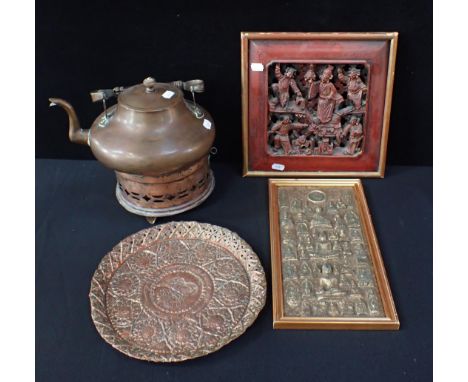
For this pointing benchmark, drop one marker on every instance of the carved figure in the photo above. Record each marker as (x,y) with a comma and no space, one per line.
(336,248)
(329,98)
(374,305)
(293,298)
(273,102)
(359,252)
(289,251)
(346,248)
(305,269)
(364,277)
(302,144)
(325,147)
(299,216)
(289,270)
(331,208)
(351,218)
(286,81)
(296,206)
(338,222)
(344,283)
(306,287)
(332,236)
(282,129)
(302,229)
(340,204)
(339,85)
(355,234)
(348,310)
(312,86)
(320,310)
(342,234)
(288,227)
(355,86)
(333,310)
(354,129)
(330,130)
(318,220)
(361,308)
(301,250)
(328,282)
(283,199)
(323,246)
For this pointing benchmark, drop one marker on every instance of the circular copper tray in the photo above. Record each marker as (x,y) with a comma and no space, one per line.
(177,291)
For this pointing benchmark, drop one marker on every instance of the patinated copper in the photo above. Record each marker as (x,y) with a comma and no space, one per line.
(177,291)
(168,194)
(157,142)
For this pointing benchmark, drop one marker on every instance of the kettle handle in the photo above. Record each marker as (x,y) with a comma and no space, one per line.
(105,94)
(193,86)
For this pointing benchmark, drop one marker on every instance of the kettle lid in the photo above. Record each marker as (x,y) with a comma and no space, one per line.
(150,96)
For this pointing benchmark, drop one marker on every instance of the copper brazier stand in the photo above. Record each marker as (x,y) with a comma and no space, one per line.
(157,142)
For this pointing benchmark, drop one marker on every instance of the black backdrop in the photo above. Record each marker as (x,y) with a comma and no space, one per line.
(84,45)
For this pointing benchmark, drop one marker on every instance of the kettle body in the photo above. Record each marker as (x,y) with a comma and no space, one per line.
(157,142)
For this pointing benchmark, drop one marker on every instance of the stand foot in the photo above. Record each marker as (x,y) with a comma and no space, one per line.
(151,219)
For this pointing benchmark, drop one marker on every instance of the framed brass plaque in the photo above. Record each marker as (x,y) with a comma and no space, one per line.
(326,264)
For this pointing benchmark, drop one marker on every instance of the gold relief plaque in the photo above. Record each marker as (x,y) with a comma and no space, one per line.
(327,269)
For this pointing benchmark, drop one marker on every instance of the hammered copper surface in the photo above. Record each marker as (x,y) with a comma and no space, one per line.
(157,143)
(326,265)
(177,291)
(167,191)
(147,132)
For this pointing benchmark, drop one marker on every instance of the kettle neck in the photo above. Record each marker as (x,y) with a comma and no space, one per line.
(75,132)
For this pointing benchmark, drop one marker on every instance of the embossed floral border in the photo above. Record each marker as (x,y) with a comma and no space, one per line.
(134,243)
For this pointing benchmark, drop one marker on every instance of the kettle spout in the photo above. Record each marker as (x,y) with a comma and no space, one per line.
(75,132)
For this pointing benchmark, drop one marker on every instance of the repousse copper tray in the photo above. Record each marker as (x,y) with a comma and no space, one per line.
(177,291)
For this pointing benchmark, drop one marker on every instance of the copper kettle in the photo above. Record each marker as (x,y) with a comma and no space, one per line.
(157,142)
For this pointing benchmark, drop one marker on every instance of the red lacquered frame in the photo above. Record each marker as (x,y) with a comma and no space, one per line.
(376,50)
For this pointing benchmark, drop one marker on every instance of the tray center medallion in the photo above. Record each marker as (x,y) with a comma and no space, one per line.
(178,289)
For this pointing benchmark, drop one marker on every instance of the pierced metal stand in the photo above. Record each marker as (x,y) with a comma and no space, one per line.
(151,214)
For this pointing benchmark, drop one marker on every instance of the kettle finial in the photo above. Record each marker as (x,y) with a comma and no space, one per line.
(149,83)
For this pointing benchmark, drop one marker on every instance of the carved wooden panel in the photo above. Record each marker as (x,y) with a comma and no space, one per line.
(316,109)
(316,103)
